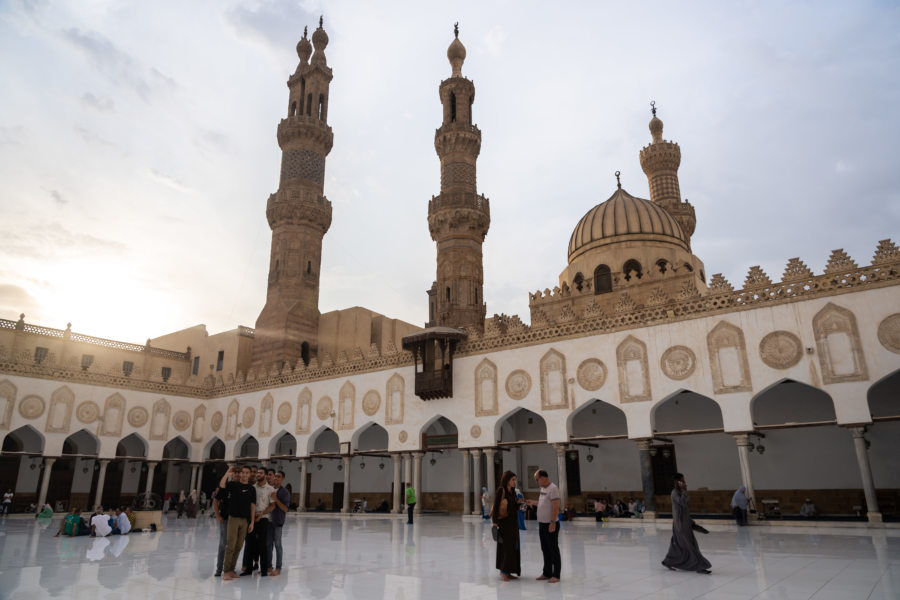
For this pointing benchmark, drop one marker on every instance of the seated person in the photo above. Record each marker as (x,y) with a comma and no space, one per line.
(46,512)
(131,516)
(72,525)
(382,507)
(320,506)
(808,509)
(100,525)
(122,525)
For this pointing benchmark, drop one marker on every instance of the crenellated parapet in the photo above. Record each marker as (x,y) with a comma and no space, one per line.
(299,207)
(311,130)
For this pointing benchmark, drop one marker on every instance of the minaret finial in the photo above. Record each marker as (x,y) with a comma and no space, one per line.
(653,107)
(321,17)
(304,31)
(618,181)
(456,30)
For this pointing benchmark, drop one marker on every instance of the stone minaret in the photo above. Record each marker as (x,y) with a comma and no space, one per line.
(660,161)
(458,218)
(288,326)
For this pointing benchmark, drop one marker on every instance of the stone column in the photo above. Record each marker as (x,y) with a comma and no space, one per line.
(417,480)
(151,467)
(193,477)
(489,454)
(476,481)
(467,483)
(743,445)
(45,482)
(647,478)
(301,504)
(104,462)
(396,504)
(865,469)
(561,468)
(200,479)
(346,507)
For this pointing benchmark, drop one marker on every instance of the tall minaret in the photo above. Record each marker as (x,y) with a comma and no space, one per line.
(458,218)
(660,161)
(288,326)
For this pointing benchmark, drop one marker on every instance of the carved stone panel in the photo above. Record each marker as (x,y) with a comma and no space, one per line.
(266,409)
(678,362)
(346,406)
(781,349)
(591,374)
(634,370)
(475,431)
(216,422)
(249,417)
(284,413)
(199,424)
(113,415)
(60,414)
(304,410)
(32,407)
(518,384)
(728,359)
(7,400)
(554,384)
(181,420)
(138,417)
(231,420)
(838,345)
(371,403)
(486,402)
(395,393)
(87,412)
(889,333)
(159,420)
(324,408)
(403,436)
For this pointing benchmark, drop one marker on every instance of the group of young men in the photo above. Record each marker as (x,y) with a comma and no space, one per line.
(250,505)
(118,521)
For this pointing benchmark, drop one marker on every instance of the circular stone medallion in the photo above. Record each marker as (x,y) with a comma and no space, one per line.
(32,407)
(371,402)
(591,374)
(889,333)
(475,431)
(181,420)
(216,421)
(284,412)
(137,416)
(324,407)
(781,350)
(249,417)
(403,436)
(87,412)
(678,362)
(518,384)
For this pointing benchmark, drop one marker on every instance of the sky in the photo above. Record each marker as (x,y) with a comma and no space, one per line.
(138,146)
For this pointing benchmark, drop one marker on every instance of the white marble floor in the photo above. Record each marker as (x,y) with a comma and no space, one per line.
(445,558)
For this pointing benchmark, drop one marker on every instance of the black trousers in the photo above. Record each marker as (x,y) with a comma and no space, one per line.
(256,547)
(409,512)
(550,550)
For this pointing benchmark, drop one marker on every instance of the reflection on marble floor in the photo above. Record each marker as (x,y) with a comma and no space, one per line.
(446,558)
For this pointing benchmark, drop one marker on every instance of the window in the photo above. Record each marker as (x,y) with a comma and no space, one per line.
(662,265)
(166,373)
(86,361)
(602,280)
(452,107)
(321,111)
(632,268)
(40,354)
(448,293)
(220,360)
(304,353)
(308,105)
(308,267)
(689,268)
(578,281)
(127,368)
(196,368)
(293,112)
(302,93)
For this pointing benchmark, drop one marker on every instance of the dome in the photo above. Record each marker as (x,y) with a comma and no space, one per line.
(625,218)
(304,48)
(456,54)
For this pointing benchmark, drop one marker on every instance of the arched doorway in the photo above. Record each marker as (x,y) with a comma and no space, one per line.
(442,466)
(247,448)
(173,474)
(883,438)
(326,469)
(21,465)
(74,476)
(522,439)
(214,465)
(126,476)
(371,467)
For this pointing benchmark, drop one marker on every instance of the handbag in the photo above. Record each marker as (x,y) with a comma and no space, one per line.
(495,533)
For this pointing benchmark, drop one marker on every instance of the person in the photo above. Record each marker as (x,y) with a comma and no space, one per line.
(633,508)
(598,509)
(220,510)
(281,498)
(72,525)
(485,503)
(100,525)
(503,517)
(548,526)
(739,503)
(410,503)
(382,507)
(180,506)
(167,503)
(46,512)
(808,509)
(522,508)
(203,500)
(684,552)
(123,525)
(132,518)
(241,515)
(365,505)
(320,505)
(256,548)
(192,505)
(7,502)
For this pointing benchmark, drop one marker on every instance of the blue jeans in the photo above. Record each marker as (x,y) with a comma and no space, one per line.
(223,534)
(273,538)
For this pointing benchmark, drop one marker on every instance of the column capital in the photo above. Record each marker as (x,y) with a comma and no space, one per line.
(476,452)
(742,439)
(465,451)
(418,454)
(304,460)
(104,461)
(560,449)
(152,463)
(857,431)
(49,460)
(346,459)
(644,444)
(490,451)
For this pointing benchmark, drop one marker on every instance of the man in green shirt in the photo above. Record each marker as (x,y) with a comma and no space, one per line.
(410,503)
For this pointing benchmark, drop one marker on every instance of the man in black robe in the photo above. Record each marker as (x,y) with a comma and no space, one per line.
(684,553)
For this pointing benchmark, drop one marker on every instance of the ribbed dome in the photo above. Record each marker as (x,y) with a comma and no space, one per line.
(625,218)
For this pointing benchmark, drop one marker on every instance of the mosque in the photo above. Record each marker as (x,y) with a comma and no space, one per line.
(635,364)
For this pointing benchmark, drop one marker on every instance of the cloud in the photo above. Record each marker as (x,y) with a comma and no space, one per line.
(104,105)
(12,136)
(273,24)
(169,181)
(57,197)
(15,298)
(494,39)
(46,241)
(89,137)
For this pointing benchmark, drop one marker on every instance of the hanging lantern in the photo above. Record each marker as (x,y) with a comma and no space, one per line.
(381,466)
(653,451)
(667,453)
(362,465)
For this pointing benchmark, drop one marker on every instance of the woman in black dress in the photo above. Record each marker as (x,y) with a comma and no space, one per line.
(504,517)
(684,553)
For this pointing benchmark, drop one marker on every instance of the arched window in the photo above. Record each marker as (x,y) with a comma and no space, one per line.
(452,107)
(702,275)
(321,112)
(662,265)
(302,93)
(578,281)
(602,280)
(632,268)
(471,101)
(308,105)
(293,112)
(304,353)
(689,268)
(308,267)
(448,293)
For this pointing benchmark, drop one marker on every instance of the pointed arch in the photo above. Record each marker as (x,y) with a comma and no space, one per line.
(395,393)
(323,439)
(486,400)
(7,400)
(304,410)
(24,439)
(113,415)
(214,449)
(346,406)
(283,444)
(231,420)
(789,401)
(596,418)
(266,408)
(133,445)
(728,359)
(370,436)
(884,396)
(82,442)
(246,447)
(686,410)
(520,425)
(439,432)
(838,345)
(60,414)
(177,447)
(554,386)
(198,426)
(634,370)
(159,420)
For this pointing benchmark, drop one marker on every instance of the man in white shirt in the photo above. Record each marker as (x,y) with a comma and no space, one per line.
(255,546)
(123,525)
(548,526)
(100,525)
(7,501)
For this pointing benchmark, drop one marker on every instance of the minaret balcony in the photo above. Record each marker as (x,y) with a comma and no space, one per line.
(459,200)
(306,209)
(305,127)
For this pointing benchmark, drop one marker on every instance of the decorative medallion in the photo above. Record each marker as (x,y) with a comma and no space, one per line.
(371,402)
(137,416)
(32,407)
(781,350)
(216,421)
(284,412)
(181,420)
(87,412)
(324,408)
(249,417)
(403,436)
(475,431)
(678,362)
(518,384)
(591,374)
(889,333)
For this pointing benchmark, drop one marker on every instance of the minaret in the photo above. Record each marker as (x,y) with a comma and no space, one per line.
(288,326)
(660,161)
(458,218)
